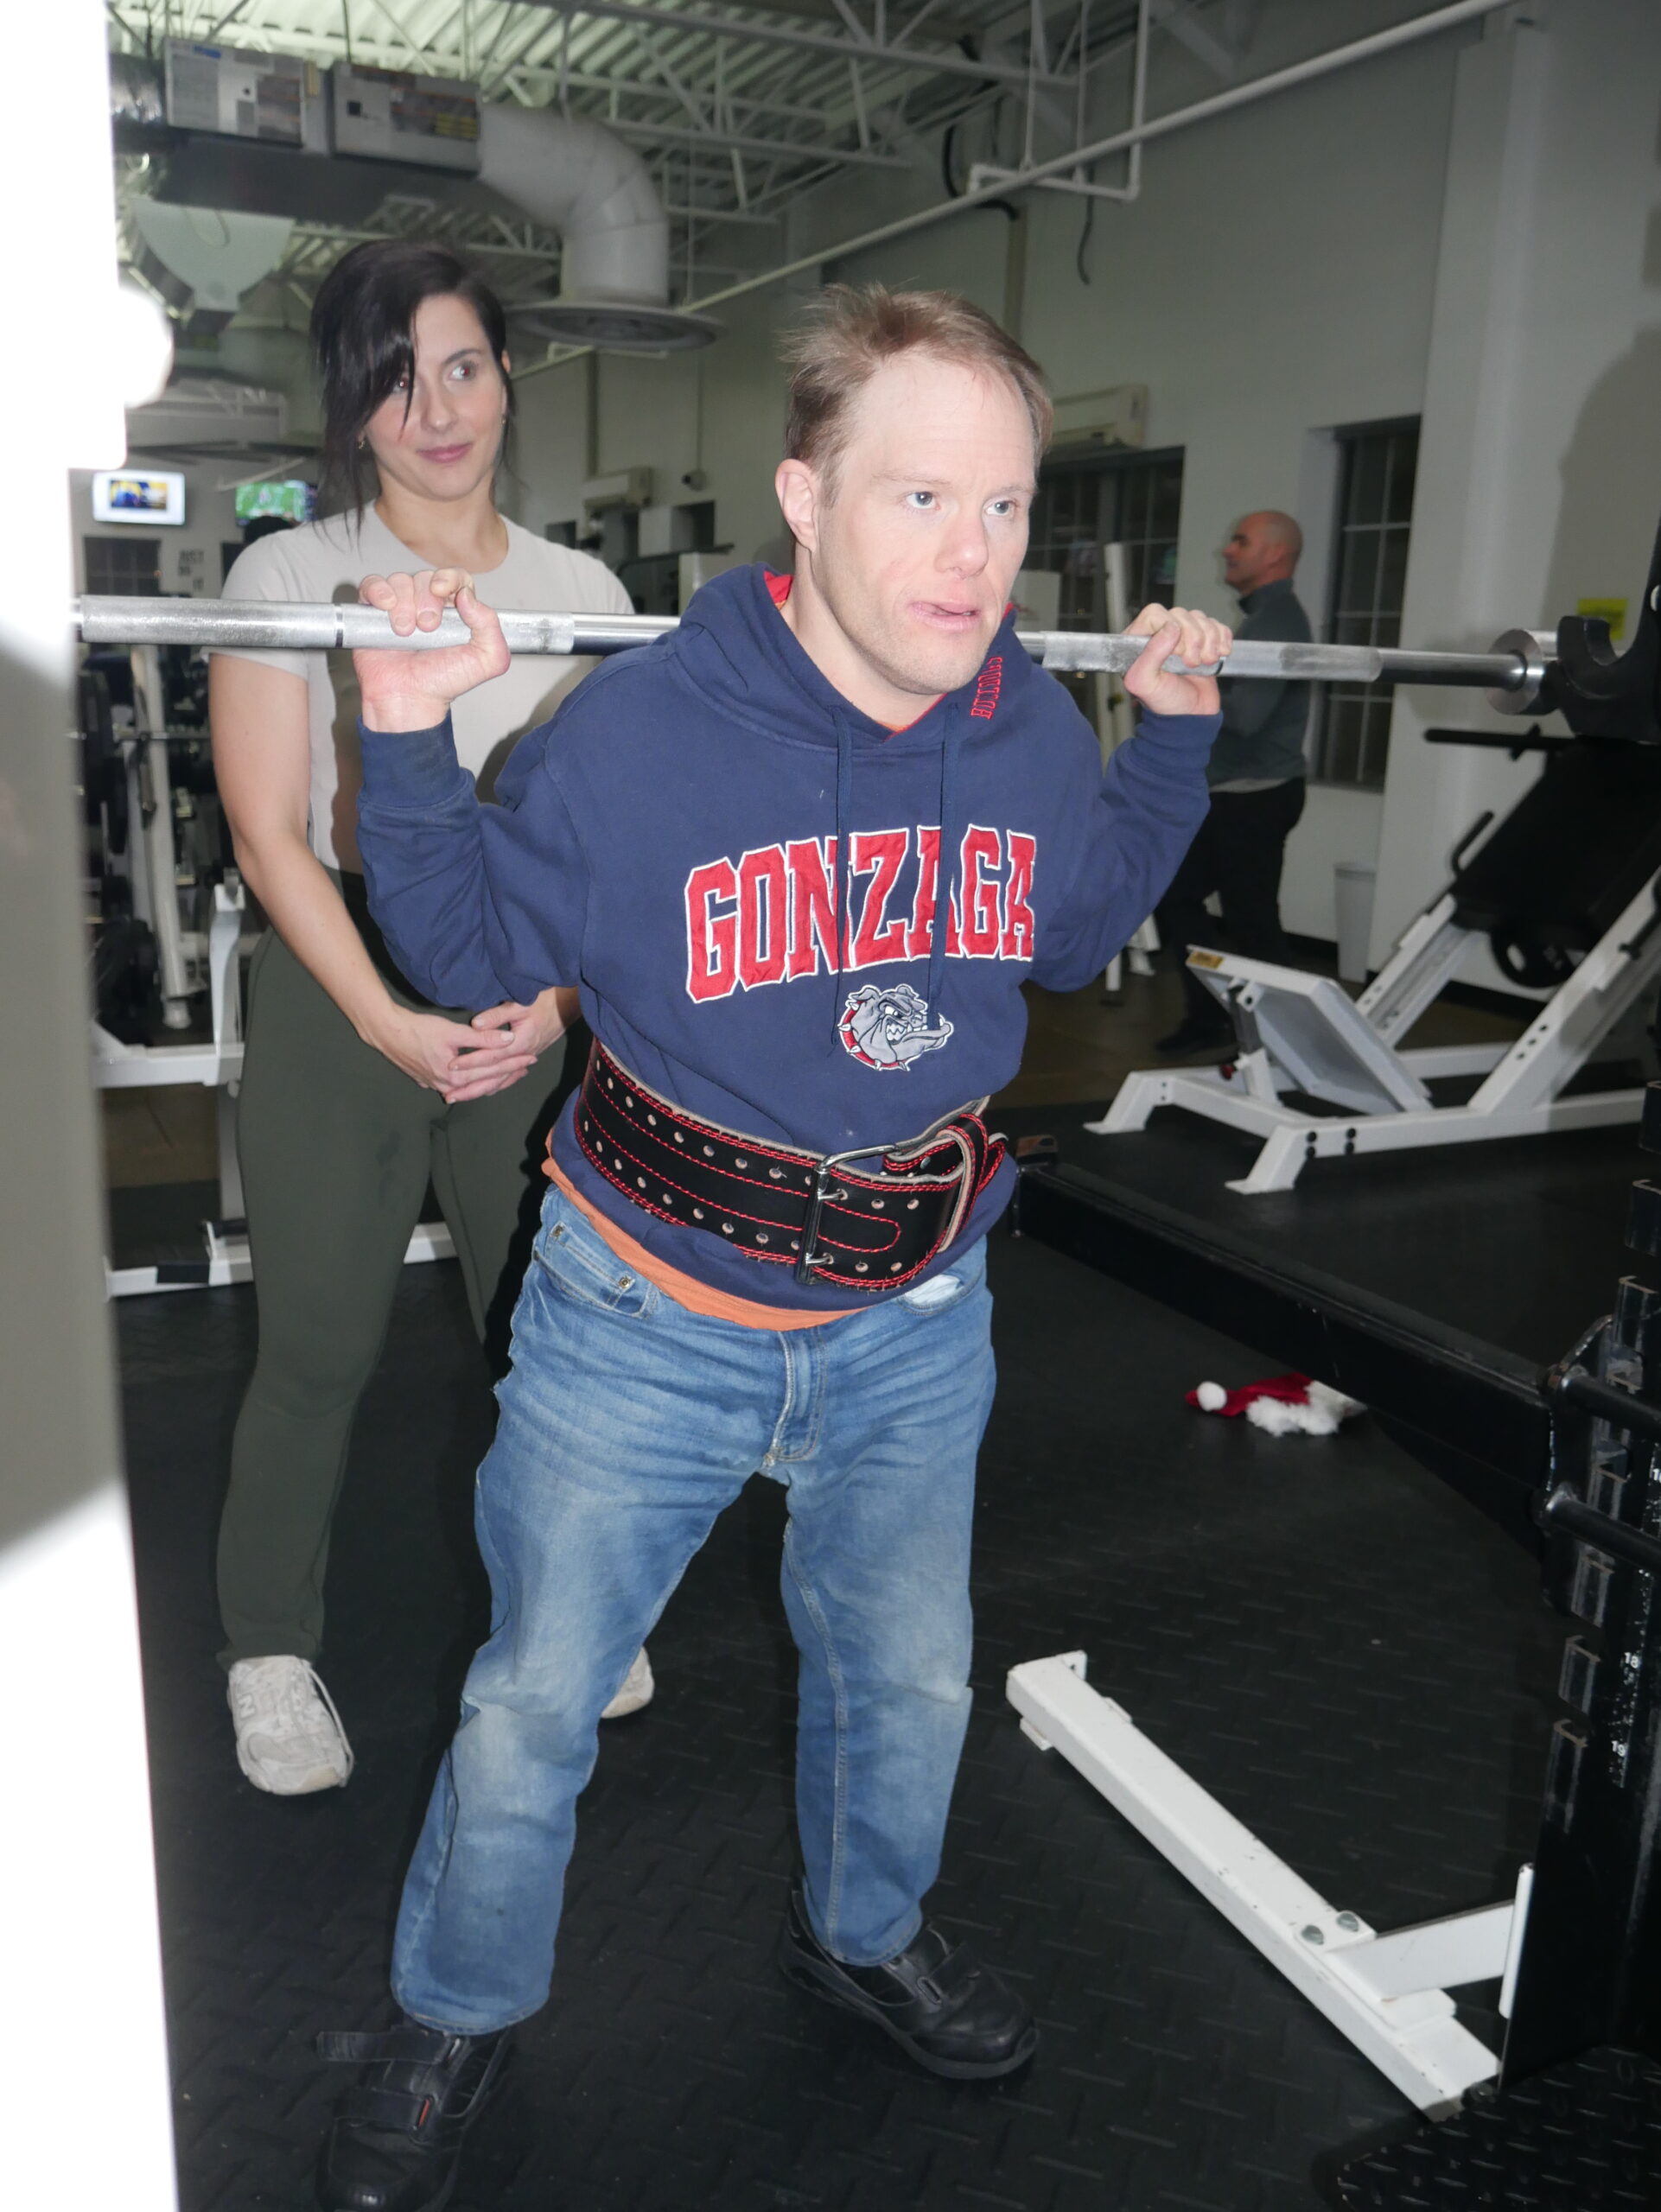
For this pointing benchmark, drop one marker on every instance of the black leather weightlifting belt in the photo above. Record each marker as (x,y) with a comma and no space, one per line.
(865,1220)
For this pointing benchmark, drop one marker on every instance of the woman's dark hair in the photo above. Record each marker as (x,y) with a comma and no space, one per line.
(361,324)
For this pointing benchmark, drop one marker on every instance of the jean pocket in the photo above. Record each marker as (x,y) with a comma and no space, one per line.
(580,1263)
(947,1287)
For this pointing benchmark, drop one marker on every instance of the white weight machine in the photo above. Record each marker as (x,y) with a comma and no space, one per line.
(1564,890)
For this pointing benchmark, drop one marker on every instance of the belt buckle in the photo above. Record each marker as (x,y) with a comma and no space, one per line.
(825,1174)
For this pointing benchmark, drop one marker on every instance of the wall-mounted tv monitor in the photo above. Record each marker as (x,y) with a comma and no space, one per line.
(142,495)
(295,501)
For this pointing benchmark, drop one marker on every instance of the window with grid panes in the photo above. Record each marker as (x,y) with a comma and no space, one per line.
(123,567)
(1086,500)
(1377,462)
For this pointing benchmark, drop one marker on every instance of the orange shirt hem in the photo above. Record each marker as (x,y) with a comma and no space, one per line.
(695,1297)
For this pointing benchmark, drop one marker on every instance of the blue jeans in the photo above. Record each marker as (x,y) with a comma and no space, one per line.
(627,1424)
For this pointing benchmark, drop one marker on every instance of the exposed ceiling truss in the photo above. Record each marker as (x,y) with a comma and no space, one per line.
(738,109)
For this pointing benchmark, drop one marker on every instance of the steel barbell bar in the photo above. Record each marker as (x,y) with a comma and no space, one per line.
(1512,672)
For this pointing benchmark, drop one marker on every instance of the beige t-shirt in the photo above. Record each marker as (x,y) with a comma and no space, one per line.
(327,560)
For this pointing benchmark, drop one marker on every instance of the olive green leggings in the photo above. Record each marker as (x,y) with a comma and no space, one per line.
(337,1146)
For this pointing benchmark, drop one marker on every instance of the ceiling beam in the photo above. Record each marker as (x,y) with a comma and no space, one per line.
(718,141)
(925,61)
(1178,18)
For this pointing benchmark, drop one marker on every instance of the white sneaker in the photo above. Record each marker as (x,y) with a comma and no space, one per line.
(290,1739)
(637,1686)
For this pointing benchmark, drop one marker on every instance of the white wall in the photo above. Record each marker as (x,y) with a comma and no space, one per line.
(1540,471)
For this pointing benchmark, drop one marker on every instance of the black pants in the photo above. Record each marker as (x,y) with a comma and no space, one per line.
(1237,854)
(337,1145)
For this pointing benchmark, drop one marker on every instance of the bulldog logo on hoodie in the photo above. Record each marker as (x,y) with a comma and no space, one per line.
(888,1028)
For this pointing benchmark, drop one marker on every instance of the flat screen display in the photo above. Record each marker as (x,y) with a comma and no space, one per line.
(141,495)
(294,500)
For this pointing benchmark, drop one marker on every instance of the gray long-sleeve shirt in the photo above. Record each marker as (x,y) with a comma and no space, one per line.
(1264,721)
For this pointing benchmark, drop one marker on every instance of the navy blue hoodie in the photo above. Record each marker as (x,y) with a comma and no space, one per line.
(679,838)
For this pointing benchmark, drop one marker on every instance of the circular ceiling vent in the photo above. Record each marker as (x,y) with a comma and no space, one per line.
(615,326)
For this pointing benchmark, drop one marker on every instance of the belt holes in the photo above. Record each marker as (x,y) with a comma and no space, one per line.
(795,1243)
(667,1200)
(739,1161)
(610,1086)
(877,1205)
(679,1139)
(776,1175)
(628,1101)
(697,1213)
(911,1205)
(709,1152)
(726,1228)
(761,1236)
(640,1181)
(894,1267)
(861,1268)
(651,1120)
(615,1161)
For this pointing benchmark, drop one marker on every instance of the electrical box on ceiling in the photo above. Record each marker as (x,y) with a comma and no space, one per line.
(388,115)
(276,98)
(629,487)
(1115,417)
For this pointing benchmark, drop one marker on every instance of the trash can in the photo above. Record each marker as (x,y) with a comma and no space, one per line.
(1352,889)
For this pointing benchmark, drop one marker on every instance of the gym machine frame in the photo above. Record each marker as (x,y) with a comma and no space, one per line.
(1303,1033)
(1516,673)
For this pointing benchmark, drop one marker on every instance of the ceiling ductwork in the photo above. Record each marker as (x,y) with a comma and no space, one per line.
(324,151)
(595,191)
(203,260)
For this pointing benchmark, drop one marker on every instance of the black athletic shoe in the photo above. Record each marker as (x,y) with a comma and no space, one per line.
(396,2141)
(1192,1037)
(953,2016)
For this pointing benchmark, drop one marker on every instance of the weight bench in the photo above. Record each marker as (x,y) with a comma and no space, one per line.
(1564,891)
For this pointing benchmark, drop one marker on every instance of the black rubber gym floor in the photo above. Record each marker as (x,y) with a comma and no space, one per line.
(1349,1657)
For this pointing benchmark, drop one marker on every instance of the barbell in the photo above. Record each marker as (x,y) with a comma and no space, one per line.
(1512,672)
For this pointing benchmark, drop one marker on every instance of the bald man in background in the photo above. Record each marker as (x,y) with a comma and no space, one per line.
(1255,776)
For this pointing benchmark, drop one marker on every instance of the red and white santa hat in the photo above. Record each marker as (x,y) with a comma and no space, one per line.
(1285,1405)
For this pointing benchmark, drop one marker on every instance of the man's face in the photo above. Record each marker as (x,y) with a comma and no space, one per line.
(916,549)
(1246,554)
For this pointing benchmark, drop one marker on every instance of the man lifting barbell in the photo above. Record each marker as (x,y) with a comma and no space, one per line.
(799,857)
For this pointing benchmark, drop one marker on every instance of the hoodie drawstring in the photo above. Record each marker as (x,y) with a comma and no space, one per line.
(947,860)
(845,815)
(945,874)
